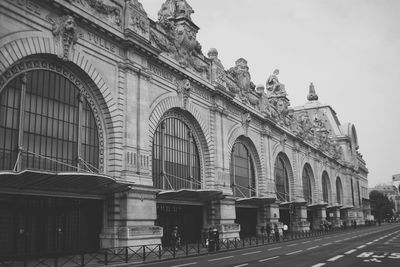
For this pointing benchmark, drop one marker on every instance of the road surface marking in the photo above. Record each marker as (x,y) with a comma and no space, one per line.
(318,239)
(337,241)
(347,238)
(268,259)
(312,247)
(253,252)
(294,252)
(350,251)
(241,265)
(291,245)
(186,264)
(305,242)
(318,265)
(217,259)
(327,244)
(362,246)
(274,248)
(335,258)
(369,243)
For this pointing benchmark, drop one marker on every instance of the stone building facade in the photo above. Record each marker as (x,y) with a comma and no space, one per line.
(115,128)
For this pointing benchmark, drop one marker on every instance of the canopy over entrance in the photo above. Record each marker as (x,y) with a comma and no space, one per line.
(190,194)
(256,200)
(76,183)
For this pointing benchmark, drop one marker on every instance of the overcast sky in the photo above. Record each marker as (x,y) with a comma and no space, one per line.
(349,49)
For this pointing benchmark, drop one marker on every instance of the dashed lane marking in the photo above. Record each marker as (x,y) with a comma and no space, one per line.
(241,265)
(294,252)
(305,242)
(318,265)
(185,264)
(267,259)
(369,243)
(291,245)
(350,251)
(362,246)
(313,248)
(217,259)
(337,241)
(274,248)
(327,244)
(335,258)
(253,252)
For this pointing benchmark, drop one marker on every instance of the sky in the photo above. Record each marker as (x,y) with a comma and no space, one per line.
(349,49)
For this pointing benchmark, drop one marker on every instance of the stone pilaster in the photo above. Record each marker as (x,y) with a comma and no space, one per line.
(334,216)
(222,214)
(131,219)
(319,216)
(299,217)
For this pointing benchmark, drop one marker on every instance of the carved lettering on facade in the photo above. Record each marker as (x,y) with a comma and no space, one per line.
(201,93)
(98,41)
(30,6)
(161,72)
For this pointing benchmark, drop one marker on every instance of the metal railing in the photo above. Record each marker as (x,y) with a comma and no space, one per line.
(148,253)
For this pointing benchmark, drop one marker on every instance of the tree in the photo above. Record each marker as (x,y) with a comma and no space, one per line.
(381,206)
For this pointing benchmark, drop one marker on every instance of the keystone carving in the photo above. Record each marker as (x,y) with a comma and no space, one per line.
(65,34)
(183,89)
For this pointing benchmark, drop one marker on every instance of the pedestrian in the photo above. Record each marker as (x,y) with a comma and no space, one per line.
(285,229)
(269,229)
(213,240)
(175,239)
(276,231)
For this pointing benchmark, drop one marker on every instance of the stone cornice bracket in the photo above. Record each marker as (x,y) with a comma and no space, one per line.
(246,119)
(183,88)
(65,34)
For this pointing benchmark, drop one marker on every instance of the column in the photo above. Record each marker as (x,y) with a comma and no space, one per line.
(299,217)
(221,214)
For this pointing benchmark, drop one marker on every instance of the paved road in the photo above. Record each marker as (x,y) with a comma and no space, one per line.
(371,246)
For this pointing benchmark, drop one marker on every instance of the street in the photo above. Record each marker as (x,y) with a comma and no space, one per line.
(369,246)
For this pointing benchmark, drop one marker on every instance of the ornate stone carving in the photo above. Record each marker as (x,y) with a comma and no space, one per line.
(246,119)
(65,34)
(111,11)
(176,35)
(183,89)
(136,18)
(273,86)
(312,95)
(263,103)
(241,75)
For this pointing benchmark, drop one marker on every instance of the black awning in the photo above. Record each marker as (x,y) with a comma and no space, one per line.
(315,205)
(347,207)
(190,194)
(80,183)
(256,200)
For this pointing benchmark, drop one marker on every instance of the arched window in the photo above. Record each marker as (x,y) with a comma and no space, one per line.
(176,161)
(46,124)
(242,172)
(307,188)
(281,179)
(325,187)
(339,191)
(359,193)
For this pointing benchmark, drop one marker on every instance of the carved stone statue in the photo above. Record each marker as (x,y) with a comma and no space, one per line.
(312,95)
(241,75)
(175,9)
(274,87)
(263,103)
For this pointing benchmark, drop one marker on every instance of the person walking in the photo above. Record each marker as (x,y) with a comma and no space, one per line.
(175,239)
(276,231)
(285,229)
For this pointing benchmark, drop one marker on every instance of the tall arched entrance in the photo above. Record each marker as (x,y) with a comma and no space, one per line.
(308,185)
(243,183)
(51,156)
(283,174)
(177,173)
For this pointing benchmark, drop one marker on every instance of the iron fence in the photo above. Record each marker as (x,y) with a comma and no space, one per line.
(148,253)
